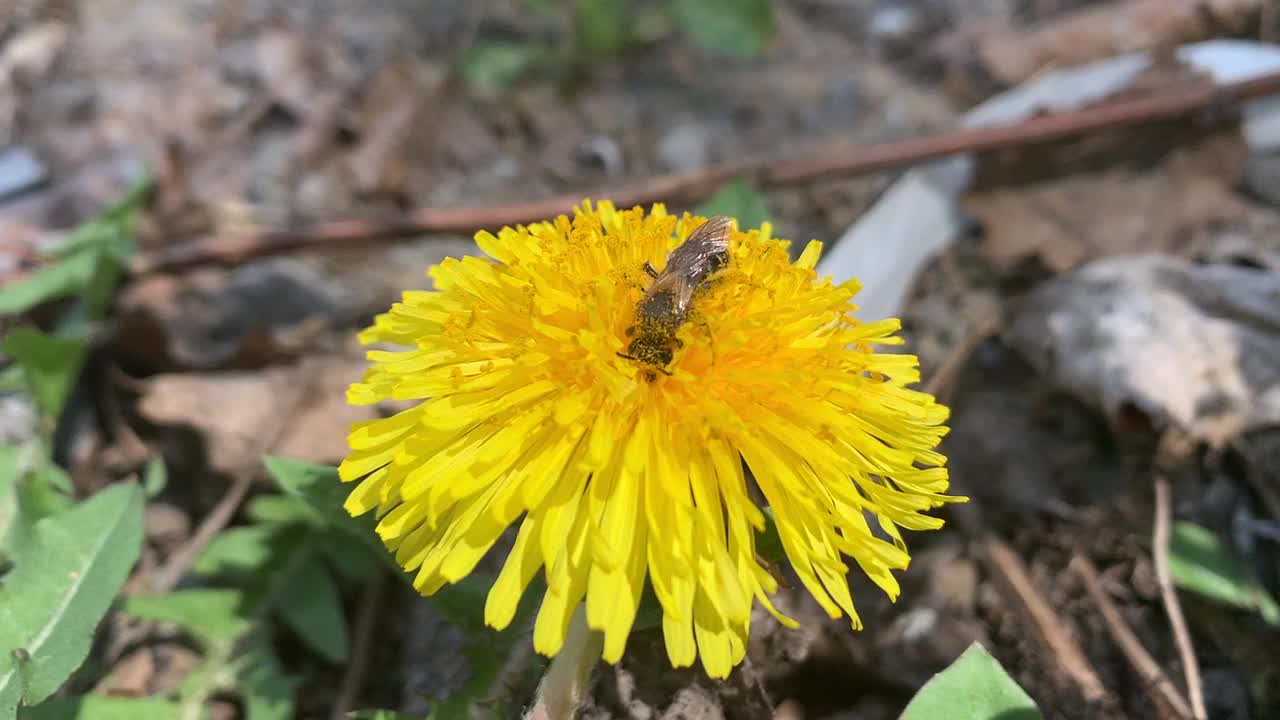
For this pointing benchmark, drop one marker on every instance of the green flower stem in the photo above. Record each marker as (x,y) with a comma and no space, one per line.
(568,678)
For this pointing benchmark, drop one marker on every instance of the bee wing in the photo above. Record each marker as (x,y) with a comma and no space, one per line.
(680,287)
(703,251)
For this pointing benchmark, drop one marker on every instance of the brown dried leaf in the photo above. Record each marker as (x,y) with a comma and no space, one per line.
(395,110)
(1107,30)
(300,412)
(131,677)
(25,61)
(214,318)
(1069,220)
(302,74)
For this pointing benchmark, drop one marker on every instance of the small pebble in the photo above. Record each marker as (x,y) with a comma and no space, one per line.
(684,147)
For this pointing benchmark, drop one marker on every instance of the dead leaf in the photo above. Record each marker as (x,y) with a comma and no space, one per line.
(25,61)
(1192,346)
(131,676)
(394,111)
(213,318)
(1108,30)
(303,75)
(1066,221)
(299,412)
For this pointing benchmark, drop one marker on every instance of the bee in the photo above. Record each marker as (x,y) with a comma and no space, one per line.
(666,302)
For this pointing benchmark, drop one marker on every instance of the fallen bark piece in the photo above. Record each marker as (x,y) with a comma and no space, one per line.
(1193,346)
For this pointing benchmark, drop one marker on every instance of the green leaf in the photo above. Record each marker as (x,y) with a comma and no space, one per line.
(50,364)
(100,707)
(282,511)
(267,690)
(239,550)
(90,262)
(768,542)
(155,478)
(320,488)
(44,490)
(12,380)
(31,488)
(601,26)
(491,68)
(60,587)
(1203,564)
(461,603)
(485,648)
(650,24)
(353,561)
(974,686)
(314,611)
(16,526)
(650,613)
(484,662)
(737,199)
(380,715)
(739,28)
(112,229)
(213,616)
(60,279)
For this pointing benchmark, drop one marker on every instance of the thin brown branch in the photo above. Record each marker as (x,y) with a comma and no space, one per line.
(1169,596)
(361,645)
(1153,678)
(167,577)
(827,162)
(1015,581)
(945,376)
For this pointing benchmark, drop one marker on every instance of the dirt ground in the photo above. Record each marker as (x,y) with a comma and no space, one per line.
(255,114)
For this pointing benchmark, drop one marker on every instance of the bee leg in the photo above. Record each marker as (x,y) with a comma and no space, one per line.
(711,341)
(648,269)
(625,356)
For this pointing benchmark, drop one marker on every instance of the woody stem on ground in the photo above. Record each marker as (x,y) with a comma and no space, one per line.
(842,160)
(568,678)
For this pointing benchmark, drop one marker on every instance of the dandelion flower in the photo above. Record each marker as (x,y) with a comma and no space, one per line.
(532,412)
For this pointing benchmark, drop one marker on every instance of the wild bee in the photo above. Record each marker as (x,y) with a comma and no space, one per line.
(666,302)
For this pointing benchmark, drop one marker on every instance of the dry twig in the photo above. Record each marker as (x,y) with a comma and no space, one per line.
(829,162)
(1169,596)
(1153,678)
(1017,583)
(944,377)
(361,645)
(167,577)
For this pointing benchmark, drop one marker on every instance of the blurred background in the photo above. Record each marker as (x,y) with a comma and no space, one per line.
(201,201)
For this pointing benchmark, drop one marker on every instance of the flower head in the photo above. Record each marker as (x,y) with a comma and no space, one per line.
(620,471)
